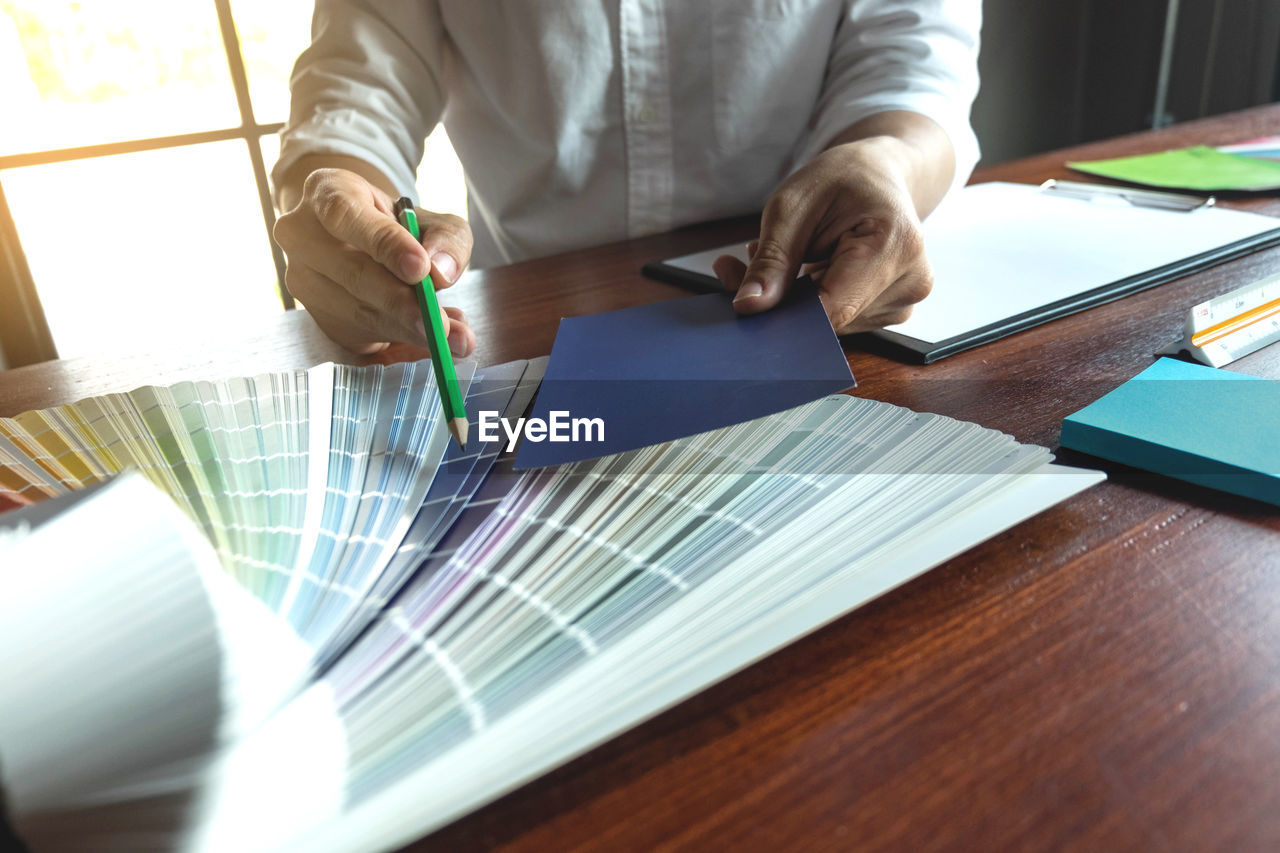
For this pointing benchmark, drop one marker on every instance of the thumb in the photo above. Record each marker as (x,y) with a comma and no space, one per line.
(345,206)
(776,260)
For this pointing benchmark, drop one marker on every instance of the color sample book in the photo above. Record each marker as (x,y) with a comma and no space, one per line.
(303,609)
(306,483)
(1199,168)
(672,369)
(1211,427)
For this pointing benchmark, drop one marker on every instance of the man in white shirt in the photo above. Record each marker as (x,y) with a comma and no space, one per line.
(579,123)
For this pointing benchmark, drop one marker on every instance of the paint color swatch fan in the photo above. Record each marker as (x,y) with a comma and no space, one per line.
(285,612)
(1231,326)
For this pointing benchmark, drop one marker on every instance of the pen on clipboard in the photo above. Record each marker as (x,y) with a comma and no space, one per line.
(1139,198)
(455,414)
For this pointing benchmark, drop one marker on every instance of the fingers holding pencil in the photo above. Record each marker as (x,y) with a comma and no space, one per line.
(355,267)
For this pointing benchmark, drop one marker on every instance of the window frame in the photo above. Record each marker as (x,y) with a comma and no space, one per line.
(24,333)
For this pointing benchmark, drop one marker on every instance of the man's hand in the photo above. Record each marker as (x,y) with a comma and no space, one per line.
(354,266)
(850,219)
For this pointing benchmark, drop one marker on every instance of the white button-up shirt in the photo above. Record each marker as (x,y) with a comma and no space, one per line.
(579,122)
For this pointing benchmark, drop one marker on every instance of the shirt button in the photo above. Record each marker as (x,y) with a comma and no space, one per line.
(646,114)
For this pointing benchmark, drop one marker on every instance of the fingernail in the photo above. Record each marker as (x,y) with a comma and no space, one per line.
(750,290)
(445,265)
(456,340)
(411,267)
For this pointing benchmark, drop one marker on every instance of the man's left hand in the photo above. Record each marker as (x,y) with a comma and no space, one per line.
(847,219)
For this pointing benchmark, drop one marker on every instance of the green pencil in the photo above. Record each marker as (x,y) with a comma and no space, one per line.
(455,414)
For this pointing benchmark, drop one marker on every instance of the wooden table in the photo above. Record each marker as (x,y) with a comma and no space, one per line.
(1104,675)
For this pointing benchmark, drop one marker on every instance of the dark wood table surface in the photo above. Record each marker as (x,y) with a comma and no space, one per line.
(1105,675)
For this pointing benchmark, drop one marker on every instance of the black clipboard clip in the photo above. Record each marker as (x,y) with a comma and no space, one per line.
(1138,198)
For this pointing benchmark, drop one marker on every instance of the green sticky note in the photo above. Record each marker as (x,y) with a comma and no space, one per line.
(1200,168)
(1212,427)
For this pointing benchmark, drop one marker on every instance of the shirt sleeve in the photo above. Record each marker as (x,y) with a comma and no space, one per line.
(369,86)
(915,55)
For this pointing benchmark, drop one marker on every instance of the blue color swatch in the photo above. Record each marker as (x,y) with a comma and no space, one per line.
(672,369)
(1212,427)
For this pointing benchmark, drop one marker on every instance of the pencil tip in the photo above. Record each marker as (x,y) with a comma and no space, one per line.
(458,429)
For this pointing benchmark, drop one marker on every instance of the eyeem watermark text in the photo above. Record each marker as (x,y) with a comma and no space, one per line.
(558,427)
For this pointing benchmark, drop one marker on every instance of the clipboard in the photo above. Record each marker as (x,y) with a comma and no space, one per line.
(1008,257)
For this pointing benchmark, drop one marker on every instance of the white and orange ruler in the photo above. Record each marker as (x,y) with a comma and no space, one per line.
(1233,325)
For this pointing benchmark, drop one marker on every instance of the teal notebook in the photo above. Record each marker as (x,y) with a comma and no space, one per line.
(1212,427)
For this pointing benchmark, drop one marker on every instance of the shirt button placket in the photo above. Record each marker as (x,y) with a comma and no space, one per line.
(646,92)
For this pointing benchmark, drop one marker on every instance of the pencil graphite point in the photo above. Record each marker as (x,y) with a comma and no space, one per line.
(458,429)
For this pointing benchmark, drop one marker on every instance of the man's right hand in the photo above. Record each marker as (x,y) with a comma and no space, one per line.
(354,266)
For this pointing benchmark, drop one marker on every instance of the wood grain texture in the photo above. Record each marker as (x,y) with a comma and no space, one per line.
(1104,675)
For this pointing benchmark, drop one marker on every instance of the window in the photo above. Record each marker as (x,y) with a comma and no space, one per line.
(137,139)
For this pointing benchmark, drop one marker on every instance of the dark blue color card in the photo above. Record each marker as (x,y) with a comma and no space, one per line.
(673,369)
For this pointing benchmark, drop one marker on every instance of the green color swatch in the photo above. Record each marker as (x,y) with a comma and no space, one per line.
(1199,168)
